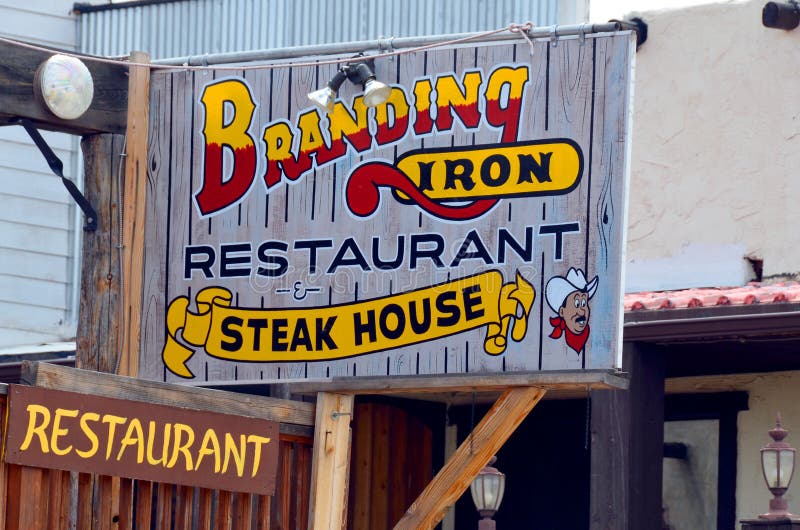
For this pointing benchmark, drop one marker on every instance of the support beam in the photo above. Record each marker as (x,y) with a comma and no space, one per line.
(330,468)
(106,114)
(134,207)
(97,344)
(458,473)
(627,445)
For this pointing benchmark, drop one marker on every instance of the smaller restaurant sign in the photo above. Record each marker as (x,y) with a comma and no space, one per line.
(75,432)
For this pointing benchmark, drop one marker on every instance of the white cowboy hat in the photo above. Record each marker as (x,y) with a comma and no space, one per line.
(559,288)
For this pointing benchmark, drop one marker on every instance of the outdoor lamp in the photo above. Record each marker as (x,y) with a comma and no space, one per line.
(65,86)
(777,464)
(375,92)
(325,97)
(487,493)
(359,73)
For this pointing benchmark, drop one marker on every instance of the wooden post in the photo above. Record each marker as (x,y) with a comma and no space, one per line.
(97,344)
(330,467)
(134,206)
(628,446)
(458,473)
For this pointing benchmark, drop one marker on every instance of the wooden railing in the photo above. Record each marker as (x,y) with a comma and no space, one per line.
(35,498)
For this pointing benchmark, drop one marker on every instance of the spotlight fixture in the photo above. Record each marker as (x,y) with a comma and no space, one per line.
(359,73)
(64,84)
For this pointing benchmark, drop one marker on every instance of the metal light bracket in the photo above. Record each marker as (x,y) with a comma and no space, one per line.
(58,168)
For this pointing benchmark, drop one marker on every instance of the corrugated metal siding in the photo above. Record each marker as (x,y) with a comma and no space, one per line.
(37,217)
(175,29)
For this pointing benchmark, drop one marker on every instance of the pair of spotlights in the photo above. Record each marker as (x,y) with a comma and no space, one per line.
(359,73)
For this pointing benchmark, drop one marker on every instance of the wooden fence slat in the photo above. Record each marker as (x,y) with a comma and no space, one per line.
(103,504)
(398,462)
(144,504)
(13,507)
(242,515)
(223,519)
(4,468)
(362,481)
(32,499)
(164,506)
(125,504)
(263,521)
(59,497)
(379,495)
(204,509)
(85,495)
(183,507)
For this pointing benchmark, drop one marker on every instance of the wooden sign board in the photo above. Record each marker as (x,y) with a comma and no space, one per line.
(75,432)
(473,223)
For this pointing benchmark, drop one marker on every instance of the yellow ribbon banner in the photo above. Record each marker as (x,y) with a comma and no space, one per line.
(340,331)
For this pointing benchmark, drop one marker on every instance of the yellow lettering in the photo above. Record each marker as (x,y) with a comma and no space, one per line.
(112,422)
(134,426)
(278,139)
(58,432)
(151,430)
(238,453)
(257,442)
(38,430)
(92,437)
(181,446)
(210,437)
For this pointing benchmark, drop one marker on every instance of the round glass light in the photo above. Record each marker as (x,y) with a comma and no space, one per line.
(66,86)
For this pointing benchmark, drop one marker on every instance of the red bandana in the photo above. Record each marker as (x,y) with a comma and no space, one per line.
(576,342)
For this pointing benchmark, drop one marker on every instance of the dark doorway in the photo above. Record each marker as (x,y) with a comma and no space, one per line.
(546,463)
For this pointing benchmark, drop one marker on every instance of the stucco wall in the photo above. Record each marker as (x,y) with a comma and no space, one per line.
(716,149)
(769,394)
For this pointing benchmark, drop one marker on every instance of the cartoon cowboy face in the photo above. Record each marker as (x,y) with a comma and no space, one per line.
(575,311)
(569,296)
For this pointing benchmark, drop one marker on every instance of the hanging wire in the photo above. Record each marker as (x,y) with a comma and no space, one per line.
(121,329)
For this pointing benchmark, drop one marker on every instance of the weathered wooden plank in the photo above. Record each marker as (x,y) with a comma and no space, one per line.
(359,513)
(12,508)
(379,495)
(222,521)
(106,114)
(466,382)
(102,505)
(164,505)
(125,504)
(302,481)
(330,465)
(134,209)
(107,385)
(4,468)
(184,496)
(263,521)
(97,340)
(204,497)
(59,497)
(32,499)
(85,494)
(144,503)
(398,462)
(457,474)
(242,515)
